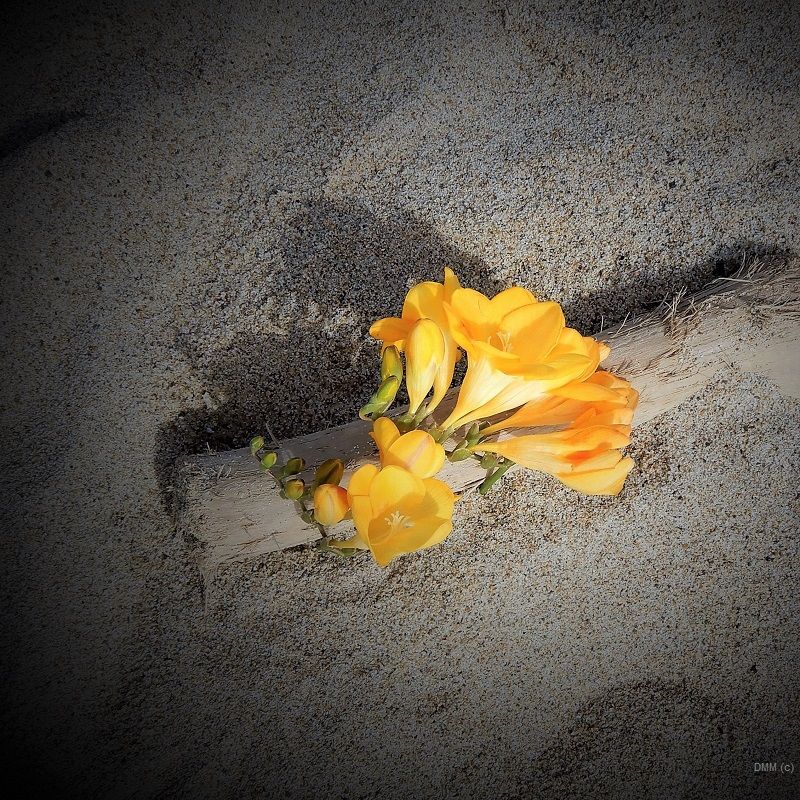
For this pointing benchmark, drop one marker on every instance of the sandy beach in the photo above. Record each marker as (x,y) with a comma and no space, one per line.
(203,210)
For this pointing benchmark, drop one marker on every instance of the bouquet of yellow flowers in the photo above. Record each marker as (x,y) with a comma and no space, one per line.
(532,395)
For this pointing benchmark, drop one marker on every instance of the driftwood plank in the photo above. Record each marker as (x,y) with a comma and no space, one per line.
(234,513)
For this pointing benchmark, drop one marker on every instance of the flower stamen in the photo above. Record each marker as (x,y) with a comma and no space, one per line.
(396,521)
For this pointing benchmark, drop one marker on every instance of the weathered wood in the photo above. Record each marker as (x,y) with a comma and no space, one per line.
(233,510)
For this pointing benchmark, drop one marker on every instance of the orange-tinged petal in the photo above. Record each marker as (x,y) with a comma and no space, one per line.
(394,486)
(331,504)
(385,434)
(416,451)
(591,460)
(390,330)
(590,392)
(599,482)
(425,351)
(587,438)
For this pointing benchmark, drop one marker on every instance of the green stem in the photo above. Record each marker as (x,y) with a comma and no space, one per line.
(492,477)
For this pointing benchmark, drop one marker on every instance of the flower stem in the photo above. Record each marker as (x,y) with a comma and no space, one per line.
(493,476)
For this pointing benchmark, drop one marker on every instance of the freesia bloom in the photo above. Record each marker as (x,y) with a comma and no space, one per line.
(397,512)
(518,349)
(585,455)
(425,301)
(331,504)
(400,507)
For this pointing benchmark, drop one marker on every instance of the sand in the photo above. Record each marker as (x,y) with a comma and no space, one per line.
(203,211)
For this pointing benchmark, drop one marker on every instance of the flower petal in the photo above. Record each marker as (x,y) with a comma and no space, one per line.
(385,434)
(424,301)
(418,452)
(481,383)
(444,376)
(360,481)
(394,486)
(439,499)
(390,330)
(599,482)
(509,300)
(425,532)
(425,350)
(534,330)
(451,283)
(361,509)
(473,310)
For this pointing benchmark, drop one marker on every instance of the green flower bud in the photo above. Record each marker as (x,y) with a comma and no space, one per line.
(294,489)
(391,363)
(474,433)
(329,471)
(382,399)
(268,461)
(489,461)
(460,455)
(256,443)
(293,466)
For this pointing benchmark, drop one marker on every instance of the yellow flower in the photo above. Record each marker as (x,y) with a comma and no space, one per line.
(425,301)
(400,507)
(331,504)
(585,454)
(397,512)
(518,348)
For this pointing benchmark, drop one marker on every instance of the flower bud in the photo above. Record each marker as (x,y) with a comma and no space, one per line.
(329,471)
(425,353)
(459,455)
(268,461)
(382,399)
(489,461)
(256,443)
(391,363)
(293,466)
(294,489)
(474,433)
(330,504)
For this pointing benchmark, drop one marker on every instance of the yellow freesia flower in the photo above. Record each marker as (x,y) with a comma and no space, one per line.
(397,512)
(400,507)
(585,455)
(425,301)
(331,504)
(518,348)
